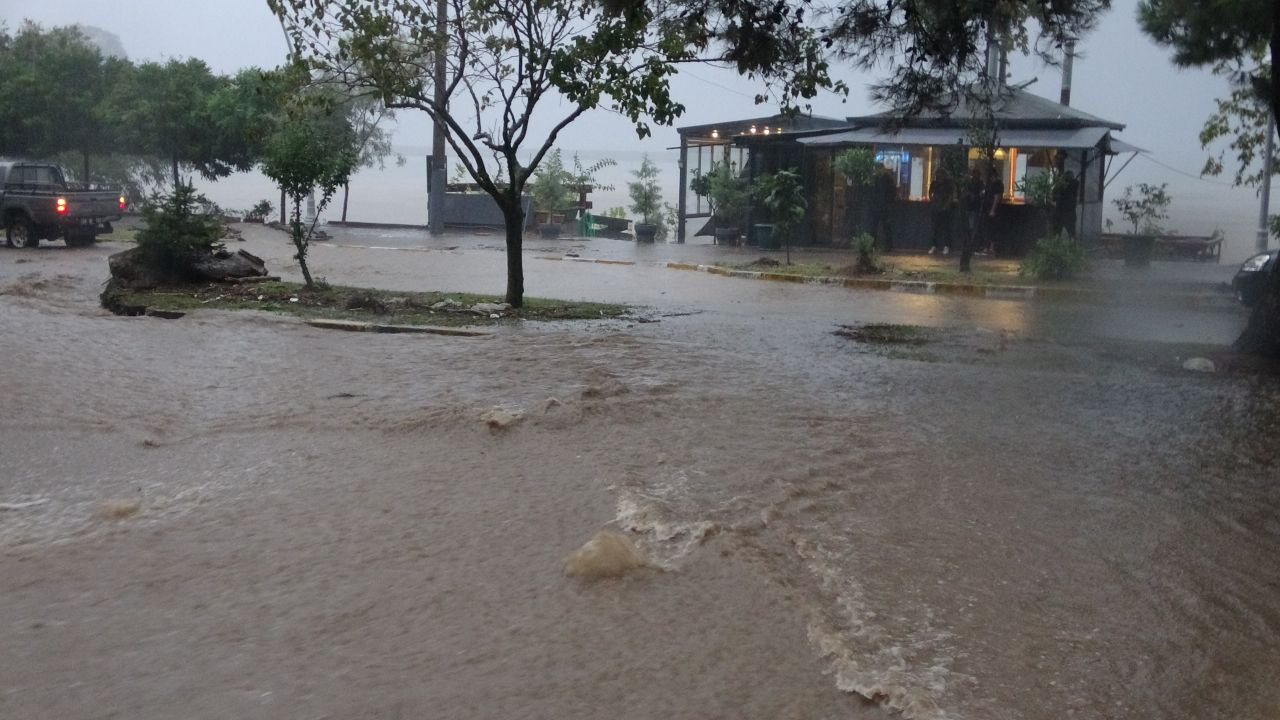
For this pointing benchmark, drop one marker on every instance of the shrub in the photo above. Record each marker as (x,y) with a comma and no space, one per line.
(1056,257)
(858,165)
(177,227)
(1145,209)
(868,254)
(259,212)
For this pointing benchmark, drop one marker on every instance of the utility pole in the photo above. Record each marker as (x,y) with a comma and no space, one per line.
(1068,59)
(1264,216)
(436,198)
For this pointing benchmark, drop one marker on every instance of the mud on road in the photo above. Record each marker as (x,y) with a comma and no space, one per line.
(1004,521)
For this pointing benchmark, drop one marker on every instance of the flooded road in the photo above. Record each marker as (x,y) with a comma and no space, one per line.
(1034,512)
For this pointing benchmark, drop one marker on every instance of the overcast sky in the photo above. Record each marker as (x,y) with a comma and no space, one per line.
(1121,75)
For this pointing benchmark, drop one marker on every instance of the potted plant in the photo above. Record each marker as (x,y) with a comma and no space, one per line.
(552,193)
(728,195)
(782,194)
(1144,210)
(646,200)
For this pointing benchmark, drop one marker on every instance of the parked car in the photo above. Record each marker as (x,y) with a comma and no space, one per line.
(37,204)
(1251,276)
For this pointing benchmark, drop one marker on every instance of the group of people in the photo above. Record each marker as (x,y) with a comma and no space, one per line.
(979,197)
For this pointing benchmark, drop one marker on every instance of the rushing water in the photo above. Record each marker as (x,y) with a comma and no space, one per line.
(1017,519)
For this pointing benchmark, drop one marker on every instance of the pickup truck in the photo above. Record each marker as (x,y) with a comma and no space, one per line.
(37,204)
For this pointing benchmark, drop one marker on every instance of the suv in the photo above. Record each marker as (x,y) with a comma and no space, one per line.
(37,204)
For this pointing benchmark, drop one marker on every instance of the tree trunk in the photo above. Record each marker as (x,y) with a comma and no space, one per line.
(284,205)
(298,236)
(346,192)
(513,214)
(175,171)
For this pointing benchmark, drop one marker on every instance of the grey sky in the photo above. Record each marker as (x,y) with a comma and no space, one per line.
(1121,76)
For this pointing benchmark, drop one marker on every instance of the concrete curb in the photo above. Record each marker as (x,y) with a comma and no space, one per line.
(356,326)
(996,292)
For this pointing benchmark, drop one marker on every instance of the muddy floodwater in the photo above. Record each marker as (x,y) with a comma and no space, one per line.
(1022,510)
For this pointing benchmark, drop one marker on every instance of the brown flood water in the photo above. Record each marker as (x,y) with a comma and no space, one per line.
(326,528)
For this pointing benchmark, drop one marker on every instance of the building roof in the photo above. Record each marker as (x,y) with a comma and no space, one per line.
(1075,138)
(788,123)
(1014,108)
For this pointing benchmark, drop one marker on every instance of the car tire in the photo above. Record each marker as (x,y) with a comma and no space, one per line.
(21,233)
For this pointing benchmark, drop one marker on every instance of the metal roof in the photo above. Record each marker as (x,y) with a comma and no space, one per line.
(1011,108)
(729,128)
(1085,137)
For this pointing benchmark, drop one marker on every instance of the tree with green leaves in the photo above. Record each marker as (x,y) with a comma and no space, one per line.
(513,66)
(167,110)
(368,117)
(314,150)
(56,85)
(782,194)
(1242,37)
(1241,120)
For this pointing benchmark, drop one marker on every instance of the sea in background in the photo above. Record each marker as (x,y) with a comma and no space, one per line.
(398,194)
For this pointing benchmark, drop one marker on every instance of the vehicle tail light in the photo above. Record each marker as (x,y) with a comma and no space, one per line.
(62,206)
(122,203)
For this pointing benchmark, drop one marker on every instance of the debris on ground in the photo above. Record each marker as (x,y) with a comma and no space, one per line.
(607,555)
(883,334)
(490,309)
(23,505)
(118,509)
(501,418)
(1199,364)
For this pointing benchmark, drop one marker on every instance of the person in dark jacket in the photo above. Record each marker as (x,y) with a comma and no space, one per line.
(884,190)
(1065,198)
(942,206)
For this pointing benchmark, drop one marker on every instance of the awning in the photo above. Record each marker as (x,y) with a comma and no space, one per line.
(1119,146)
(1067,138)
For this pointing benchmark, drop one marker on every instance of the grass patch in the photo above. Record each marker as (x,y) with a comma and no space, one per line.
(888,272)
(350,303)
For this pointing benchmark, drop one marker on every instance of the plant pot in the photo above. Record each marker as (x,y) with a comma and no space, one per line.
(1137,250)
(727,236)
(646,232)
(549,230)
(766,238)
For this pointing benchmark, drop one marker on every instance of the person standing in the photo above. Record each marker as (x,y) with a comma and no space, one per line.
(1065,198)
(972,208)
(884,191)
(992,194)
(942,202)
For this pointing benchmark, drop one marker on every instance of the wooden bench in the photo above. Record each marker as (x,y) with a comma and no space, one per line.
(1196,248)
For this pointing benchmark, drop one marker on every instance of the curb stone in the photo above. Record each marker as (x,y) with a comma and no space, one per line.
(928,287)
(357,326)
